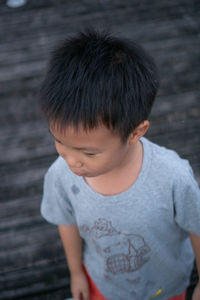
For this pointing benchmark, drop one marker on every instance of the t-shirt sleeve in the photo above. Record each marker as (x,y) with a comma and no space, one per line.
(56,207)
(187,201)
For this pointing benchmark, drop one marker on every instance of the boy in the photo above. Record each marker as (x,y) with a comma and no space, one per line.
(126,208)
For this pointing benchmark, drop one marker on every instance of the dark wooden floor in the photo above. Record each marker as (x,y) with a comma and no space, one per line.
(32,263)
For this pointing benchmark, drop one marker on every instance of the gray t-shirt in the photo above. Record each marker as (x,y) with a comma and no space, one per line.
(136,243)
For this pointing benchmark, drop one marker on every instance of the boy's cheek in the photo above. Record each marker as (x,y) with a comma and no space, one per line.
(98,164)
(59,149)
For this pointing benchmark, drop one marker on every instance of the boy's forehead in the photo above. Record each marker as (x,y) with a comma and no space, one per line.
(79,131)
(95,135)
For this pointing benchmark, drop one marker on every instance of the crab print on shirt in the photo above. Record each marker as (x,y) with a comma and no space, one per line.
(122,253)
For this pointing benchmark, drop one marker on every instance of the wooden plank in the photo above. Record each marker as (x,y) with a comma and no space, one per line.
(33,245)
(37,47)
(74,9)
(129,13)
(30,281)
(27,140)
(19,213)
(22,180)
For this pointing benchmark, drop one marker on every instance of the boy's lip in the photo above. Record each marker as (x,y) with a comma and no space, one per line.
(78,173)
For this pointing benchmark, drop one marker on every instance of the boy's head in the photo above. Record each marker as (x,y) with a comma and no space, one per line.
(96,79)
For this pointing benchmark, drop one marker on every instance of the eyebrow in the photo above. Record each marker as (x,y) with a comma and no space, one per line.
(77,148)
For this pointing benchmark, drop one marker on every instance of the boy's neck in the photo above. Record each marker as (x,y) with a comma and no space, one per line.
(121,178)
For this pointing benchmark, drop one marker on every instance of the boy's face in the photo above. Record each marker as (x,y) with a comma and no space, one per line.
(91,153)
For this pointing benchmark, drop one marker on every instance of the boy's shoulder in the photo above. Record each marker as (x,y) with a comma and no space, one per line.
(168,162)
(59,170)
(57,165)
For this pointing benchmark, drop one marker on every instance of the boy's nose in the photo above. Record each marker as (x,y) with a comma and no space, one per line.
(73,164)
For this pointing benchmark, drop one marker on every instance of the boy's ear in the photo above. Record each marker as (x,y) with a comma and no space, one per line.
(138,132)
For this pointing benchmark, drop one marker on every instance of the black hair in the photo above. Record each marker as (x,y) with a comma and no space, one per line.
(94,78)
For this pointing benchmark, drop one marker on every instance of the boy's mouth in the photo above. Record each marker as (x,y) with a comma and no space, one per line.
(79,173)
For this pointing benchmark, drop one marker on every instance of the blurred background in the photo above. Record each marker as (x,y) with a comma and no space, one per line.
(32,262)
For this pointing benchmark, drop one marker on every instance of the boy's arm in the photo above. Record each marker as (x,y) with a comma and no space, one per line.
(195,241)
(72,244)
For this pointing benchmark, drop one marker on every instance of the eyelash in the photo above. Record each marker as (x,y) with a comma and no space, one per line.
(89,154)
(58,142)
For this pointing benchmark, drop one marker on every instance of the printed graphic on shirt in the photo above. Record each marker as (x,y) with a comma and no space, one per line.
(123,253)
(75,189)
(134,281)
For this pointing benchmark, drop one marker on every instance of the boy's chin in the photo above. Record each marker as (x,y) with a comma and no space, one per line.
(94,175)
(89,176)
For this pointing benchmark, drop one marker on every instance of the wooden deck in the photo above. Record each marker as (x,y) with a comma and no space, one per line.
(32,263)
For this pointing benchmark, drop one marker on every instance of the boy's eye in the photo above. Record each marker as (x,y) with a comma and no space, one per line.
(89,154)
(58,141)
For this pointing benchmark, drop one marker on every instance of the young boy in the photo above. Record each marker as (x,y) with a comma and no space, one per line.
(127,209)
